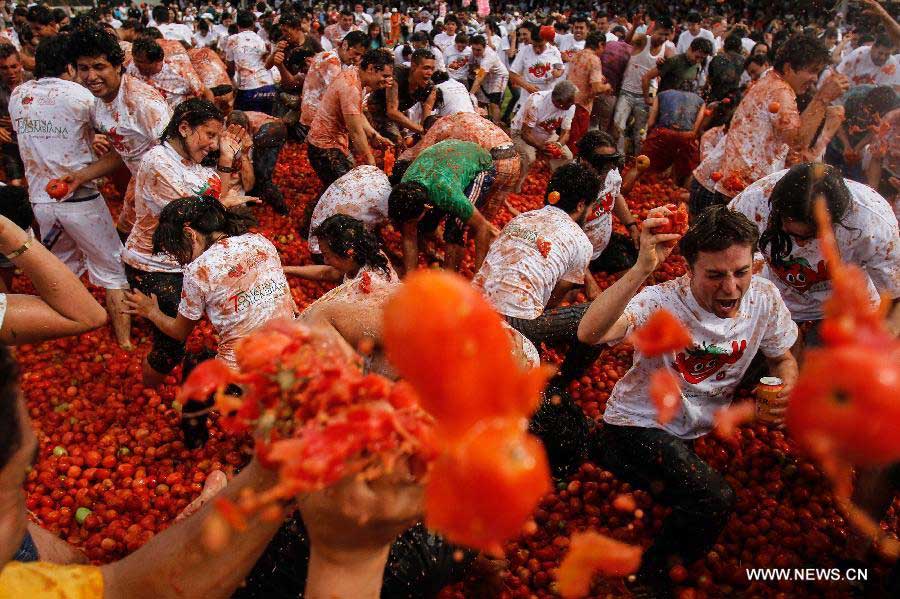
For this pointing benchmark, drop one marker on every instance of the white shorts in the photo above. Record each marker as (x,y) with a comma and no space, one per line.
(86,239)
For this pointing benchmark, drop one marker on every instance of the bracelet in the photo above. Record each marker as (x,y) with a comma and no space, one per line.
(22,249)
(225,169)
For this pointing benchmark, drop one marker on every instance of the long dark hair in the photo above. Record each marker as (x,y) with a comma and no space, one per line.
(349,238)
(194,112)
(793,197)
(204,214)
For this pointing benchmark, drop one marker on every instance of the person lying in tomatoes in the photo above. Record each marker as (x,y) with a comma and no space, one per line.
(730,315)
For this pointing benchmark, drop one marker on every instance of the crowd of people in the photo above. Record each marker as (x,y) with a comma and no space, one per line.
(425,119)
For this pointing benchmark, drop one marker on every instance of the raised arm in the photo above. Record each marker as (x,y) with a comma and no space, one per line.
(62,306)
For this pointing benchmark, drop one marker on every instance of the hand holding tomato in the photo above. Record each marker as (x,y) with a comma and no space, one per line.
(57,189)
(654,250)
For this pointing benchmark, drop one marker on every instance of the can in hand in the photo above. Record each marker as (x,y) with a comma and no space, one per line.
(766,394)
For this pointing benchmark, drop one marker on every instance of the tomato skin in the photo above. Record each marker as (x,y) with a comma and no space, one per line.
(590,552)
(661,334)
(848,394)
(482,490)
(57,189)
(665,391)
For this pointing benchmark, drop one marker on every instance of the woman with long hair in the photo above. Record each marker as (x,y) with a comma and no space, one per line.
(174,169)
(376,37)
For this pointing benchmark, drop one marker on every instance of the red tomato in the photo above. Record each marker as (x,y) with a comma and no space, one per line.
(642,162)
(482,491)
(665,391)
(661,334)
(590,553)
(57,189)
(774,107)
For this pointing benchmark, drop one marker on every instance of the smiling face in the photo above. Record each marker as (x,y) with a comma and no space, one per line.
(100,77)
(200,140)
(346,22)
(720,279)
(801,80)
(375,79)
(579,30)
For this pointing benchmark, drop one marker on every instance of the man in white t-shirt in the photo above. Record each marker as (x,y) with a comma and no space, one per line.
(541,128)
(171,31)
(245,53)
(362,193)
(865,230)
(693,31)
(730,316)
(447,38)
(537,66)
(873,64)
(173,76)
(491,76)
(570,44)
(458,57)
(130,114)
(360,16)
(52,118)
(538,258)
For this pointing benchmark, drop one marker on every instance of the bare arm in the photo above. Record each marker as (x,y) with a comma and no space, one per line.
(698,122)
(175,563)
(785,368)
(410,245)
(892,27)
(315,272)
(394,113)
(63,306)
(645,82)
(529,138)
(428,105)
(833,88)
(654,114)
(358,136)
(603,321)
(105,165)
(178,328)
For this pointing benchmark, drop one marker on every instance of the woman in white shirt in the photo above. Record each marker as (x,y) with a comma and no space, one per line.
(167,172)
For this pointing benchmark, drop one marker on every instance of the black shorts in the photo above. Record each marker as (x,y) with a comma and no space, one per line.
(330,164)
(167,353)
(494,98)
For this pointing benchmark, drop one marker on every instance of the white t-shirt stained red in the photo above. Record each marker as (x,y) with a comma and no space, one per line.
(362,193)
(248,53)
(533,253)
(710,370)
(598,225)
(239,283)
(541,114)
(52,121)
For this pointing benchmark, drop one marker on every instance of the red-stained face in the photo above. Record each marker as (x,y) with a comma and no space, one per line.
(225,103)
(879,55)
(720,279)
(801,80)
(377,79)
(346,22)
(100,77)
(200,140)
(351,55)
(11,71)
(335,260)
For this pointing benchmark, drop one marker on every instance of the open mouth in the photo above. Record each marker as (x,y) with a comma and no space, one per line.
(726,305)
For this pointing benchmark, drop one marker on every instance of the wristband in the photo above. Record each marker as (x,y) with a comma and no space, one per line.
(22,249)
(225,169)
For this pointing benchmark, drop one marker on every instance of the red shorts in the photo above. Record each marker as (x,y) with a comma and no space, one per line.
(667,147)
(580,123)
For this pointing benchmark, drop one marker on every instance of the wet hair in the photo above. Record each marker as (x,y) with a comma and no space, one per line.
(716,229)
(733,43)
(160,13)
(245,19)
(378,59)
(661,23)
(577,183)
(10,423)
(348,237)
(880,100)
(355,38)
(594,40)
(7,50)
(794,196)
(477,40)
(94,42)
(407,201)
(15,205)
(439,77)
(802,52)
(701,44)
(421,54)
(51,56)
(461,38)
(204,214)
(592,140)
(59,15)
(203,25)
(41,15)
(757,59)
(238,117)
(564,91)
(883,40)
(418,36)
(194,112)
(693,17)
(297,58)
(147,49)
(151,33)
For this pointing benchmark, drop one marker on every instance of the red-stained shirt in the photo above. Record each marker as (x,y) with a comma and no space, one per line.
(324,68)
(343,98)
(209,67)
(584,71)
(464,126)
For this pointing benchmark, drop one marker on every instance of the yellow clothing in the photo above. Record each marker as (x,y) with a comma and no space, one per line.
(42,579)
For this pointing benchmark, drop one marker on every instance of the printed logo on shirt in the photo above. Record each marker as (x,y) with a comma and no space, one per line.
(212,188)
(539,70)
(27,100)
(262,293)
(799,274)
(26,126)
(521,233)
(550,125)
(699,363)
(117,141)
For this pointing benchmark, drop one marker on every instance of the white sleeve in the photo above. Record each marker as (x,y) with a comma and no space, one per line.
(567,119)
(781,331)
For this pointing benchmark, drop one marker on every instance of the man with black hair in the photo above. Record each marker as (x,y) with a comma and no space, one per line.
(767,124)
(694,31)
(724,71)
(213,75)
(42,22)
(173,76)
(409,86)
(323,69)
(171,31)
(12,74)
(491,76)
(52,117)
(537,67)
(446,38)
(679,72)
(336,32)
(131,114)
(340,118)
(876,64)
(730,315)
(245,53)
(457,57)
